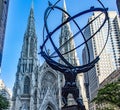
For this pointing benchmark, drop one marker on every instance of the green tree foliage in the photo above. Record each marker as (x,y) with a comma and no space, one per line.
(109,95)
(4,103)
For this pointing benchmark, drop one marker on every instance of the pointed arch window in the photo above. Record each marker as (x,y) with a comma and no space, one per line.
(26,47)
(35,97)
(32,47)
(49,108)
(27,85)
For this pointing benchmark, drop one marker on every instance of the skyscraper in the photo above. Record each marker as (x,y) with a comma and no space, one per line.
(118,6)
(110,58)
(3,18)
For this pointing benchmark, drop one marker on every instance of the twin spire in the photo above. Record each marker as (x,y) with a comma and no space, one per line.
(64,16)
(64,5)
(32,5)
(30,40)
(65,33)
(31,21)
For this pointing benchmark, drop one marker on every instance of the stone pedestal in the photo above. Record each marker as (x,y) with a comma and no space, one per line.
(73,107)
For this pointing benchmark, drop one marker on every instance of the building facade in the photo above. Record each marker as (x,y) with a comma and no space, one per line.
(109,59)
(38,87)
(113,77)
(3,18)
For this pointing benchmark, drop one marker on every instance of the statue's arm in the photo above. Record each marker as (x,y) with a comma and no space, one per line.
(87,67)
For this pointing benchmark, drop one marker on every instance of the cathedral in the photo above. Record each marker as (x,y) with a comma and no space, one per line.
(39,87)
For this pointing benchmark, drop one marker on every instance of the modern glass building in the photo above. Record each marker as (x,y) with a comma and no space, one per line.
(109,59)
(3,18)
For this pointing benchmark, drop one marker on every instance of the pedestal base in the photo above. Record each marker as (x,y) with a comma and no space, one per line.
(72,107)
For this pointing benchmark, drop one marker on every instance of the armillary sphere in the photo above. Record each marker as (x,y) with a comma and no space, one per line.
(57,53)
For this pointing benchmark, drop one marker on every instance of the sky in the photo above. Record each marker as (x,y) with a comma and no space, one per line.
(16,25)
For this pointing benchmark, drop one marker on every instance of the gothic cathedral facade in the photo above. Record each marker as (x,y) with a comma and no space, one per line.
(38,87)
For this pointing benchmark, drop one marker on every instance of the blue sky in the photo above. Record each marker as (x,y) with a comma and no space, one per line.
(16,25)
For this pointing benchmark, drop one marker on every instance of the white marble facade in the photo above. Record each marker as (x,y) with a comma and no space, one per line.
(36,87)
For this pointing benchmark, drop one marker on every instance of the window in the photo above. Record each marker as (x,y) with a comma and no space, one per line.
(48,108)
(32,47)
(35,97)
(27,85)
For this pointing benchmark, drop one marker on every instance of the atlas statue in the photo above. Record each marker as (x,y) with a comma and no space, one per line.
(66,68)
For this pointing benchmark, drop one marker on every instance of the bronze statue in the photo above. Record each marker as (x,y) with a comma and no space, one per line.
(68,70)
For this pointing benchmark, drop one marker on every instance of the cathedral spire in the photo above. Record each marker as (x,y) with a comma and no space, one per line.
(64,16)
(31,21)
(30,40)
(64,5)
(32,5)
(66,27)
(65,35)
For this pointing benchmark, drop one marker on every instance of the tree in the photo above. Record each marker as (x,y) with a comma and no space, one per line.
(4,103)
(109,96)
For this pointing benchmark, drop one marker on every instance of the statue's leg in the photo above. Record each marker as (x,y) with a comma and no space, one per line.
(64,96)
(80,104)
(77,99)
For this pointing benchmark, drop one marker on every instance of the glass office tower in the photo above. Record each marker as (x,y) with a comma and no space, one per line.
(109,59)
